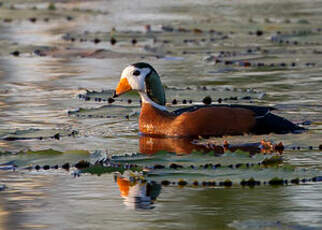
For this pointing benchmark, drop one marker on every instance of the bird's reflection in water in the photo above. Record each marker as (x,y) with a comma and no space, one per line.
(151,145)
(138,194)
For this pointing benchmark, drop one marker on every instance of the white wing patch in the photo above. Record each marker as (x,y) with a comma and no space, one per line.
(258,117)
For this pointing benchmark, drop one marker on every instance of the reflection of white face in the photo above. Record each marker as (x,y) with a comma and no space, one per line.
(135,77)
(137,197)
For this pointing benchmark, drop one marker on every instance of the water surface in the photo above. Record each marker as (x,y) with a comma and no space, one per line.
(39,98)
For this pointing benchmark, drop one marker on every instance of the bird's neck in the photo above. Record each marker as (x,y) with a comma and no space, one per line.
(146,99)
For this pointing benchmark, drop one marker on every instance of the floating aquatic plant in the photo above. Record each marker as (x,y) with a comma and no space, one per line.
(98,169)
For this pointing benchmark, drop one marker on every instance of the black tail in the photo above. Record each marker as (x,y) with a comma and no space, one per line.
(271,123)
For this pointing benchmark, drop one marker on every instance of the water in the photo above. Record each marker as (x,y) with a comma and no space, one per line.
(37,92)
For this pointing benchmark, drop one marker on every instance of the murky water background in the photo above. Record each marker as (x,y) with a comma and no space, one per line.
(39,98)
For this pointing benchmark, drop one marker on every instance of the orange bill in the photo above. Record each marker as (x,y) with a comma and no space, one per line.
(122,87)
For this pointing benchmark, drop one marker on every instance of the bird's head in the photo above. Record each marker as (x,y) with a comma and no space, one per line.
(143,78)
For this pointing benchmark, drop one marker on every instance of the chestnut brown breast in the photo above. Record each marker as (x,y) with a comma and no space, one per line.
(207,121)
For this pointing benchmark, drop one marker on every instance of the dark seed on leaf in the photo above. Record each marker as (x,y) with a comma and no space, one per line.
(110,100)
(55,167)
(225,183)
(246,98)
(184,101)
(259,33)
(219,100)
(182,183)
(113,41)
(33,20)
(207,100)
(158,166)
(56,136)
(82,164)
(175,166)
(15,53)
(129,101)
(238,165)
(46,167)
(174,102)
(276,181)
(165,182)
(212,183)
(66,166)
(37,167)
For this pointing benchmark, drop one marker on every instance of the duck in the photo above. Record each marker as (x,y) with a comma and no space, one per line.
(197,120)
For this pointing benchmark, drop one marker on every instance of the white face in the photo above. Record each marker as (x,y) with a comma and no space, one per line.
(135,77)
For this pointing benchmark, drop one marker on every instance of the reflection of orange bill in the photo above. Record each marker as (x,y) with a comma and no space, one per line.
(124,185)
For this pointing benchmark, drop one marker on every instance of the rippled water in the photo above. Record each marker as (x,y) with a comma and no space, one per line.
(39,97)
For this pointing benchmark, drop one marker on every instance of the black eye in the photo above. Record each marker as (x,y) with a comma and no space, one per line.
(136,73)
